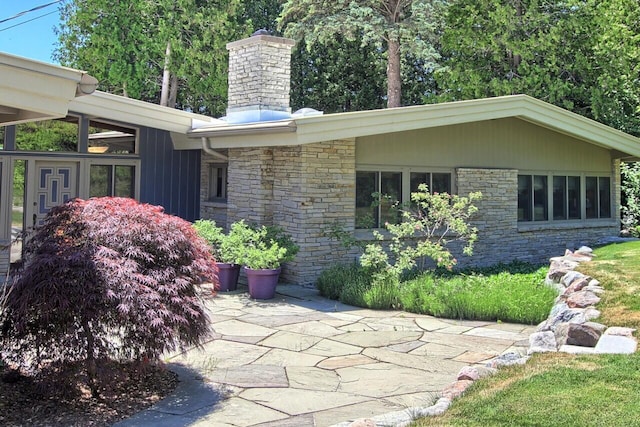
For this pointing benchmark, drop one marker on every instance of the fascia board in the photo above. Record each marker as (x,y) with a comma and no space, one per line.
(140,113)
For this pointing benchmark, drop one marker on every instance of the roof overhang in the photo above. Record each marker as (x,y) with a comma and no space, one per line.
(33,90)
(308,130)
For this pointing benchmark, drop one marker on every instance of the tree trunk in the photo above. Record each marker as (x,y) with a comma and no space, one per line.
(91,360)
(164,92)
(173,92)
(394,80)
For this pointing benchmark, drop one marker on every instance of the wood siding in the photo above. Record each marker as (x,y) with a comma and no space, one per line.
(168,177)
(503,143)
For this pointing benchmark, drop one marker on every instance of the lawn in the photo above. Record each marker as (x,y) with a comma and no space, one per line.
(560,389)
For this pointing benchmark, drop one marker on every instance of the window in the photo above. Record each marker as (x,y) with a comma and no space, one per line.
(112,180)
(532,198)
(218,182)
(437,182)
(49,135)
(598,197)
(374,215)
(566,195)
(394,187)
(106,138)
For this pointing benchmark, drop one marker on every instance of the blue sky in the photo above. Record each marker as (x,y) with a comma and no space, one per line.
(35,39)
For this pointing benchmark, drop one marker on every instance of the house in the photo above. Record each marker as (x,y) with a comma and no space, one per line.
(550,179)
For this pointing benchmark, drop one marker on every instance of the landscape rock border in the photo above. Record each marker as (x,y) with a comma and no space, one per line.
(568,328)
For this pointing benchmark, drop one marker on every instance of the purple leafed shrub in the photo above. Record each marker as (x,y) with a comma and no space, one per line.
(106,278)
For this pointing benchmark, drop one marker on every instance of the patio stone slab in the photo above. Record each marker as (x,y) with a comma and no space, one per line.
(375,380)
(238,412)
(242,339)
(353,412)
(280,357)
(356,327)
(271,321)
(327,347)
(251,376)
(297,401)
(314,328)
(431,323)
(392,324)
(473,357)
(353,317)
(496,333)
(409,400)
(406,347)
(433,365)
(309,378)
(377,338)
(290,341)
(467,342)
(437,350)
(238,328)
(615,344)
(297,421)
(345,361)
(455,329)
(221,354)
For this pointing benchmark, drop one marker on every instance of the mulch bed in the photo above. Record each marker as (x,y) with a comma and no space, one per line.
(128,389)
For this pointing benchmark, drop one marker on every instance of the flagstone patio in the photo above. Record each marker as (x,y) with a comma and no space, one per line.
(303,360)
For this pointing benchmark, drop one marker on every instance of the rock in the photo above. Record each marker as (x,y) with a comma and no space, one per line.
(576,334)
(561,262)
(437,409)
(468,373)
(615,344)
(507,359)
(485,371)
(620,331)
(574,349)
(597,326)
(598,290)
(594,282)
(568,278)
(556,272)
(577,285)
(568,315)
(542,342)
(456,389)
(557,309)
(363,422)
(582,299)
(584,250)
(590,313)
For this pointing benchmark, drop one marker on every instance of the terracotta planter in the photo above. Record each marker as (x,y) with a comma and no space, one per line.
(262,283)
(228,276)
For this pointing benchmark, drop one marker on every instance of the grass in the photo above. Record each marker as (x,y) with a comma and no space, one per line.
(509,293)
(560,389)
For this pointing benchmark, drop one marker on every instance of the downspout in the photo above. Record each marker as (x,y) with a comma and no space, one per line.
(211,152)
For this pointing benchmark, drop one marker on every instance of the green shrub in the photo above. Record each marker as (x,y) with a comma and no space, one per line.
(503,295)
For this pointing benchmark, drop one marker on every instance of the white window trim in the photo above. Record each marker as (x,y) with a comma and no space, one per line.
(85,172)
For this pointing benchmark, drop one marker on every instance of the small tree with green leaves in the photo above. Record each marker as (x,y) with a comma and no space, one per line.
(631,197)
(429,223)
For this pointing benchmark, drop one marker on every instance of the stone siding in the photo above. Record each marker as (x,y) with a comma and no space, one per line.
(502,239)
(303,189)
(5,255)
(259,70)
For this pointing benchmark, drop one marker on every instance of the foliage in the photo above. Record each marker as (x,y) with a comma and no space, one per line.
(131,63)
(397,26)
(428,225)
(630,195)
(268,247)
(227,248)
(495,48)
(106,278)
(503,296)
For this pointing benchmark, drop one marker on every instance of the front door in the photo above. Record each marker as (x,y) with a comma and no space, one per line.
(54,183)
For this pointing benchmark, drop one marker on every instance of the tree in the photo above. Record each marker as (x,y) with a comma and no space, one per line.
(396,26)
(168,52)
(581,55)
(106,278)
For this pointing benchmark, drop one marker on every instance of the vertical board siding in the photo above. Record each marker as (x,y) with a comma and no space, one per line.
(168,177)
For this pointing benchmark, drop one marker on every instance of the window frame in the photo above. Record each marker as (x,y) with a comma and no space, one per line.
(210,182)
(113,163)
(551,212)
(405,183)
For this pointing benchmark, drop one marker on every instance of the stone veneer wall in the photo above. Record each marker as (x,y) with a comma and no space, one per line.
(303,189)
(499,237)
(5,255)
(259,73)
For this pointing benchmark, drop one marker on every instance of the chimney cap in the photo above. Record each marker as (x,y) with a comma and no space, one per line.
(261,32)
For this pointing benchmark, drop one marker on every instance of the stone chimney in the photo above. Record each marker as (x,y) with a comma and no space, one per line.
(259,78)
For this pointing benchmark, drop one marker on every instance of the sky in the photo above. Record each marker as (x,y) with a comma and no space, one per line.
(35,39)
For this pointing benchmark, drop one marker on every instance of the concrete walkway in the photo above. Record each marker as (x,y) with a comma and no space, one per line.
(303,360)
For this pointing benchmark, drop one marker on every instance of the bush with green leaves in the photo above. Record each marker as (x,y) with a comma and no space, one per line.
(631,197)
(268,247)
(106,278)
(230,247)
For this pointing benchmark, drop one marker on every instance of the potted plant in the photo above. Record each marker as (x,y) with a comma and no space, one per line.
(227,249)
(267,249)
